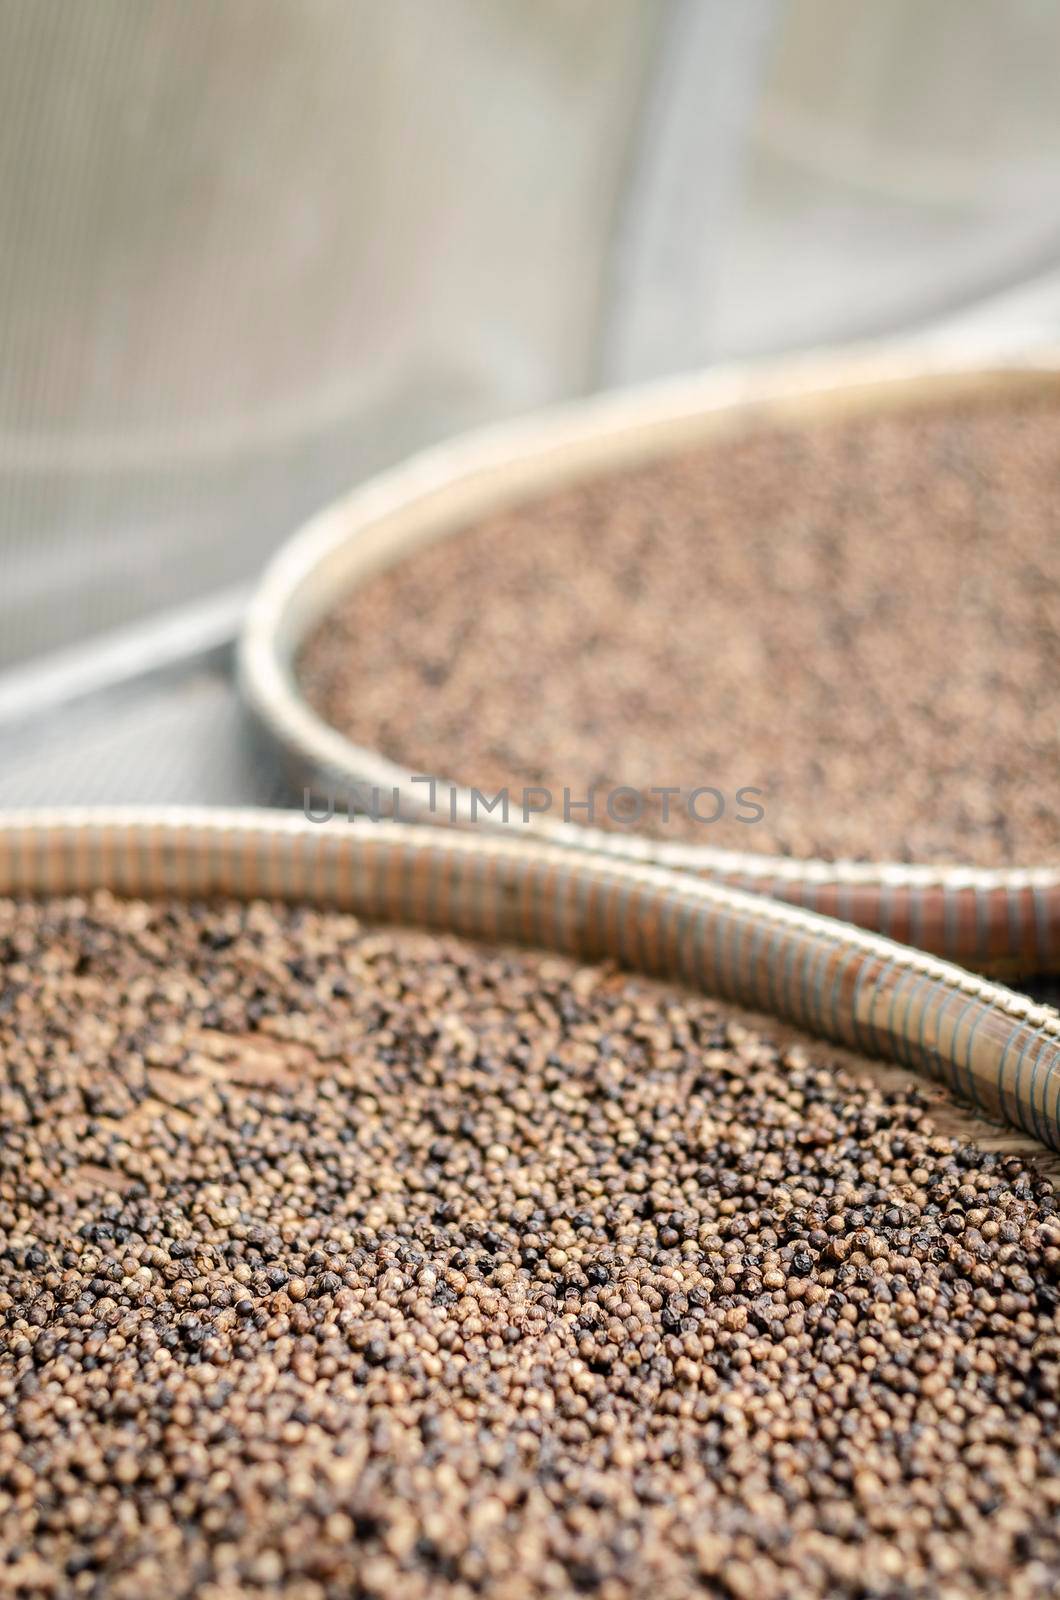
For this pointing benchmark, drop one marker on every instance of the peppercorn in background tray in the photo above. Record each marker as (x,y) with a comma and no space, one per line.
(851,620)
(342,1260)
(352,1258)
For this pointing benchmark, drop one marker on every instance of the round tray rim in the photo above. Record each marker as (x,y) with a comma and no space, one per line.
(443,488)
(993,1046)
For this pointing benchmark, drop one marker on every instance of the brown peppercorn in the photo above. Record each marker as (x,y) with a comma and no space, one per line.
(282,1318)
(752,613)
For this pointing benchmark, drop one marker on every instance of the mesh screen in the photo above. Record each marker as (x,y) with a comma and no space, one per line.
(254,250)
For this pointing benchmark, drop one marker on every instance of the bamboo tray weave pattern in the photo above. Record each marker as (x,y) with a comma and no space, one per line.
(1005,921)
(857,989)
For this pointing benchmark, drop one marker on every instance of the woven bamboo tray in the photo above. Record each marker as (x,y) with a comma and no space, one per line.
(992,1047)
(1004,922)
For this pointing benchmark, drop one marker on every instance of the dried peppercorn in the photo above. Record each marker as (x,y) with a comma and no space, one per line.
(369,1290)
(859,618)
